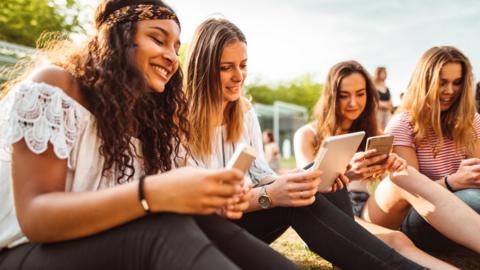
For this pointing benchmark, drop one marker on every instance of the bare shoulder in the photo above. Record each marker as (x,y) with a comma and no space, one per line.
(58,77)
(305,133)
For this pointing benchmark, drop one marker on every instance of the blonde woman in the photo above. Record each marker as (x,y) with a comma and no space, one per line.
(437,200)
(347,105)
(222,118)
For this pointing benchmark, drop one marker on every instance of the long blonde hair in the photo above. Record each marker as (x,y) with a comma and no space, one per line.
(327,112)
(423,103)
(203,87)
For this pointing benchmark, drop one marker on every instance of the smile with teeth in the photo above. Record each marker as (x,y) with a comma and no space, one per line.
(446,100)
(160,70)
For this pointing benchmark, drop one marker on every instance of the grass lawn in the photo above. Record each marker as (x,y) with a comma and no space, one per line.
(290,245)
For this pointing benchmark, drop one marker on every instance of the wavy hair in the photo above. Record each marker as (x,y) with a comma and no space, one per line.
(203,86)
(327,114)
(124,107)
(422,100)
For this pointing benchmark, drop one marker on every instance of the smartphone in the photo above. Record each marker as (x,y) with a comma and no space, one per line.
(383,144)
(242,158)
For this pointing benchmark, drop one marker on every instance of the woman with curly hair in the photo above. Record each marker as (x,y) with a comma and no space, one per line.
(87,148)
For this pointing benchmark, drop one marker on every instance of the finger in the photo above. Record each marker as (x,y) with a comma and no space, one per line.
(470,161)
(360,156)
(375,159)
(233,214)
(216,202)
(345,180)
(370,153)
(306,176)
(222,189)
(226,175)
(300,186)
(339,183)
(300,203)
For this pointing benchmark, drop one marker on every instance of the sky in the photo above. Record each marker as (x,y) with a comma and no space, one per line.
(290,38)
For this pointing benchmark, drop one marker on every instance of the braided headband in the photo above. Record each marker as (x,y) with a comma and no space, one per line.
(140,13)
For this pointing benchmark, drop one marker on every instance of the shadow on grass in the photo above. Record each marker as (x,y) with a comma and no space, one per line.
(291,246)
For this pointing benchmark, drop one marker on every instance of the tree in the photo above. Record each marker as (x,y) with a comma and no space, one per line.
(23,21)
(303,91)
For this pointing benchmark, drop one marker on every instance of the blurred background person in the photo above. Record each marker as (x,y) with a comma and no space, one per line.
(272,151)
(385,105)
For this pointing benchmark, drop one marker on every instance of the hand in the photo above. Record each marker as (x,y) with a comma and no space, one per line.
(193,191)
(341,182)
(361,168)
(467,175)
(294,189)
(395,163)
(235,210)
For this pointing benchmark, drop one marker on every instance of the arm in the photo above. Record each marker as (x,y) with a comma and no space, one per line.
(303,142)
(46,213)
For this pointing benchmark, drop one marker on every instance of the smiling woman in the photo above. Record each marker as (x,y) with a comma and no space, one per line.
(100,130)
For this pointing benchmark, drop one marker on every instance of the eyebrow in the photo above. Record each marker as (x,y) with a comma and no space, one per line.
(165,32)
(345,91)
(231,63)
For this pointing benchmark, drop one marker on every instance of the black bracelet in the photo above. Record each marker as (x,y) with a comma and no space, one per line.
(445,179)
(141,195)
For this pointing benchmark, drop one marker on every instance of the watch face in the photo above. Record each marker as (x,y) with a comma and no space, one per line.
(264,201)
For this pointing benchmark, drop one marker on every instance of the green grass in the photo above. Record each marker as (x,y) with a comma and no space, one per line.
(291,246)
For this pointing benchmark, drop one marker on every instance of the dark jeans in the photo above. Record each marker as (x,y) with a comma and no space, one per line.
(162,241)
(425,236)
(328,228)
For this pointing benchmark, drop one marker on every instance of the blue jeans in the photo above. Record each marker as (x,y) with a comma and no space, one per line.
(425,236)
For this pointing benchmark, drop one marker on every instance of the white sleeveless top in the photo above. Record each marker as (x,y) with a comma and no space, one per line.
(40,113)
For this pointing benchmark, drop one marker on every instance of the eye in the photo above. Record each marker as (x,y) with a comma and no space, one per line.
(243,66)
(157,41)
(457,82)
(443,82)
(225,68)
(361,94)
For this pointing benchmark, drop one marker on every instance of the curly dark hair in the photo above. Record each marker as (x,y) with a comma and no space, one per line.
(121,101)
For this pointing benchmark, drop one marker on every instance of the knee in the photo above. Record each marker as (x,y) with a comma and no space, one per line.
(471,197)
(398,241)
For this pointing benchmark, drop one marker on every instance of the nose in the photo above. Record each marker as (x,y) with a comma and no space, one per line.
(171,56)
(448,89)
(237,75)
(352,102)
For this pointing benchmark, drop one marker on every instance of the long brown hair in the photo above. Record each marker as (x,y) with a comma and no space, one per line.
(327,113)
(203,86)
(120,99)
(423,103)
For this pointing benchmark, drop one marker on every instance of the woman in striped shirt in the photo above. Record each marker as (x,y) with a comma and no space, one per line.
(437,134)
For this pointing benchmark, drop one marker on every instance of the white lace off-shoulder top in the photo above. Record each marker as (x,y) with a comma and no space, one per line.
(42,114)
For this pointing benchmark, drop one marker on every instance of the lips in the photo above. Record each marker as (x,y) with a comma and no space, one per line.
(161,71)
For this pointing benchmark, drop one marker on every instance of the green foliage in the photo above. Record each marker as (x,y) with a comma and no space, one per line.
(23,21)
(303,91)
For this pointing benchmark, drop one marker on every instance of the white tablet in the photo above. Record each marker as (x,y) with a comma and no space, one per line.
(334,155)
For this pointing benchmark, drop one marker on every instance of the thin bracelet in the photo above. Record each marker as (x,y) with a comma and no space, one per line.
(141,195)
(445,179)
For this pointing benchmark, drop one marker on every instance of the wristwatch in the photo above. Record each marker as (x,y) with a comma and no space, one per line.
(264,200)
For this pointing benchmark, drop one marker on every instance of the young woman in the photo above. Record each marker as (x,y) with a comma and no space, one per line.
(272,151)
(385,105)
(348,104)
(437,134)
(77,139)
(221,119)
